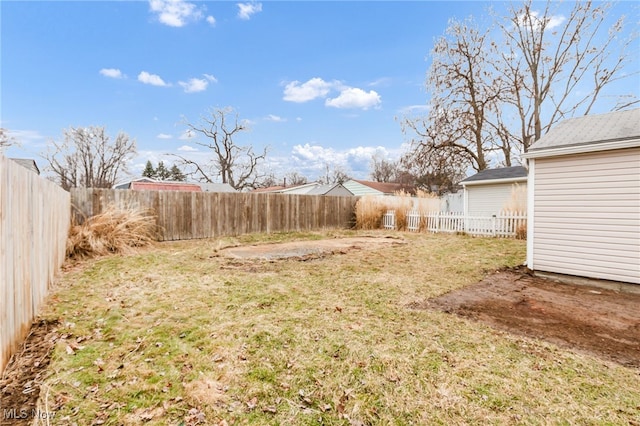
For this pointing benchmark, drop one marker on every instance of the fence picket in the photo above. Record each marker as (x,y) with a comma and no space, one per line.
(505,224)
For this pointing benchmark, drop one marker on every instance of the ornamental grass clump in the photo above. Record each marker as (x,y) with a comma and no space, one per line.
(112,231)
(517,204)
(369,212)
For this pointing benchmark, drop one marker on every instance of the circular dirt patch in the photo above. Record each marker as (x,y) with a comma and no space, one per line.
(308,249)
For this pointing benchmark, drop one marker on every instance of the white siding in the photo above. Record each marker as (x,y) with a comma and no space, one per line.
(485,200)
(587,215)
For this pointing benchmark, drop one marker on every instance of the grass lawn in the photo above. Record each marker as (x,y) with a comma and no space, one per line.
(178,335)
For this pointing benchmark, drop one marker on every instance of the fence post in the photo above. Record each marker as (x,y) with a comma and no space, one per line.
(493,225)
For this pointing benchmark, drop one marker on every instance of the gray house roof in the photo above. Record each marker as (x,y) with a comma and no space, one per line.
(27,163)
(514,173)
(215,187)
(590,130)
(330,189)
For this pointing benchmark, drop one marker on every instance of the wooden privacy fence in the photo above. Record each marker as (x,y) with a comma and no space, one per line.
(34,223)
(504,224)
(184,215)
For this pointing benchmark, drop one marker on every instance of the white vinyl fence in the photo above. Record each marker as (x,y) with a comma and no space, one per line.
(504,224)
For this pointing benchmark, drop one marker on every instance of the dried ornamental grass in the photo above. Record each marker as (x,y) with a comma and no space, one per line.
(112,231)
(369,212)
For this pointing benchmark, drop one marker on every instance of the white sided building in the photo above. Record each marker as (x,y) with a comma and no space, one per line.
(584,198)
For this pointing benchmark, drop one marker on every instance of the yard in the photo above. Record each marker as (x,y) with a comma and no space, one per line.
(202,332)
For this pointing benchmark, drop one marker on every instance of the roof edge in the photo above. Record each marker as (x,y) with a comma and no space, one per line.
(583,148)
(494,181)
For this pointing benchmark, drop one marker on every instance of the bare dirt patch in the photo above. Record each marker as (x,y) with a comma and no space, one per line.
(602,322)
(306,250)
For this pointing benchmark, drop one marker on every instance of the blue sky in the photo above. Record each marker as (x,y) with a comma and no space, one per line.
(319,83)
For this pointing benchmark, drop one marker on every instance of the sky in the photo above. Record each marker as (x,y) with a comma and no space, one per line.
(319,84)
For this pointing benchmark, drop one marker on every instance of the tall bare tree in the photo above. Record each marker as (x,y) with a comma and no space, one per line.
(87,157)
(463,93)
(235,164)
(493,93)
(558,67)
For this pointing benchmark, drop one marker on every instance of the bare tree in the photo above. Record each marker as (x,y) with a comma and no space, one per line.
(235,164)
(558,69)
(335,174)
(438,173)
(87,157)
(463,93)
(294,178)
(383,170)
(493,93)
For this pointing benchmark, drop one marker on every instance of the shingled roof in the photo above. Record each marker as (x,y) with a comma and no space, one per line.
(591,129)
(503,173)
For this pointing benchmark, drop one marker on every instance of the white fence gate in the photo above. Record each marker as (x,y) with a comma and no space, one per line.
(505,224)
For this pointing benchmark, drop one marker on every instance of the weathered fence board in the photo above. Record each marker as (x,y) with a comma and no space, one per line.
(34,223)
(182,215)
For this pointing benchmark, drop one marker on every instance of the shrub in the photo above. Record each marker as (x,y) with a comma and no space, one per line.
(112,231)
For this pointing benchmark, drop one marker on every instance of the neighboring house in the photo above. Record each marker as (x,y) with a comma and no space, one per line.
(584,198)
(490,191)
(127,185)
(335,189)
(27,163)
(215,187)
(364,187)
(148,184)
(452,202)
(313,188)
(165,186)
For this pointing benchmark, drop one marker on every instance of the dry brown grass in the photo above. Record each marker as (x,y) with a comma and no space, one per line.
(371,208)
(517,202)
(113,231)
(369,212)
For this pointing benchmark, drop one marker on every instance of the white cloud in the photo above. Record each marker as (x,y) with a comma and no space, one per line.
(246,10)
(153,79)
(194,85)
(187,148)
(556,21)
(164,136)
(536,20)
(353,97)
(312,159)
(275,118)
(415,110)
(382,81)
(211,20)
(175,13)
(304,92)
(111,73)
(210,78)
